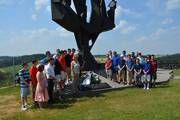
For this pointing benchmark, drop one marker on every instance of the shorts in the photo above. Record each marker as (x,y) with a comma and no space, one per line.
(25,92)
(122,74)
(146,78)
(109,72)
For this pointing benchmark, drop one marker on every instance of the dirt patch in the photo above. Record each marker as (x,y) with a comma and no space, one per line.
(8,106)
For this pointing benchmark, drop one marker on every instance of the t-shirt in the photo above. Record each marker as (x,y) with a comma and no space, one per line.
(68,60)
(153,66)
(24,77)
(108,64)
(49,71)
(122,63)
(57,67)
(115,62)
(137,67)
(129,64)
(147,67)
(33,71)
(62,62)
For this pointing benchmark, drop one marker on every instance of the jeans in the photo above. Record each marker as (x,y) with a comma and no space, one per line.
(50,90)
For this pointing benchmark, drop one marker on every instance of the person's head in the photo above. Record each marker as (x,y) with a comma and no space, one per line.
(110,52)
(73,50)
(152,57)
(75,57)
(48,54)
(124,52)
(129,56)
(122,56)
(57,51)
(69,50)
(147,58)
(65,52)
(137,61)
(35,62)
(139,54)
(115,53)
(25,65)
(40,68)
(133,54)
(51,61)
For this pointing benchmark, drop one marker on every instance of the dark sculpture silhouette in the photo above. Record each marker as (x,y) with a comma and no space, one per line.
(86,33)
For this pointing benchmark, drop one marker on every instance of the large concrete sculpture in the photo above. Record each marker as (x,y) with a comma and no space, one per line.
(86,33)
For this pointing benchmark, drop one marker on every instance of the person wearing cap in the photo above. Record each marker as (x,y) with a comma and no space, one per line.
(33,71)
(24,85)
(41,94)
(122,70)
(50,74)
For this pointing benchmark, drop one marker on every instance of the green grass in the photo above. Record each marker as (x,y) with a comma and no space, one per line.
(161,103)
(176,72)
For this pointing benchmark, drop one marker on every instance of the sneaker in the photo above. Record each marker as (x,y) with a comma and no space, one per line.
(147,88)
(23,108)
(144,88)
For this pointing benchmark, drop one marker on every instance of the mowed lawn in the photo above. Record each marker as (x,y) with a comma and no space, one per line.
(161,103)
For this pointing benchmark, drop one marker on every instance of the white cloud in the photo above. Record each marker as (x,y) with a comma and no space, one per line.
(34,17)
(153,36)
(173,4)
(124,27)
(120,10)
(167,21)
(41,3)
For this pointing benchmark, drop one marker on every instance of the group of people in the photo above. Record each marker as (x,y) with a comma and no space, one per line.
(132,69)
(51,74)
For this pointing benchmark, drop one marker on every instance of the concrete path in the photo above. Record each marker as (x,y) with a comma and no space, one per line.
(176,78)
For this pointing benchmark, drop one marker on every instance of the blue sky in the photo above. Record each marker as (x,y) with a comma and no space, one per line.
(149,26)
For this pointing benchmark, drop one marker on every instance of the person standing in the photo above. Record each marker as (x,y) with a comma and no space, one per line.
(108,67)
(122,70)
(146,73)
(75,73)
(41,94)
(115,62)
(137,72)
(129,66)
(68,60)
(50,74)
(153,70)
(33,71)
(24,85)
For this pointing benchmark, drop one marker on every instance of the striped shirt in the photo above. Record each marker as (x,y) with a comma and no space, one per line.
(24,77)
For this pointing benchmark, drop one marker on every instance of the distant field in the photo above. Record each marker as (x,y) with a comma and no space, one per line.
(161,103)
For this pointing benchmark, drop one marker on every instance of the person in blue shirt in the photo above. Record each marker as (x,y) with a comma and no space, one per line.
(115,63)
(129,66)
(146,73)
(137,72)
(24,85)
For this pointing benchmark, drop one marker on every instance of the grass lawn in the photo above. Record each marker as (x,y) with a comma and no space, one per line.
(161,103)
(176,72)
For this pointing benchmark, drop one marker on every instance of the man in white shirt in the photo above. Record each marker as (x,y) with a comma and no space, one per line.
(50,74)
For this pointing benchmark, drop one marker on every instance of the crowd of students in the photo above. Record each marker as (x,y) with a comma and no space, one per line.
(51,74)
(131,69)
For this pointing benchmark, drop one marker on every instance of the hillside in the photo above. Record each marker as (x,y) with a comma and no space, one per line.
(6,61)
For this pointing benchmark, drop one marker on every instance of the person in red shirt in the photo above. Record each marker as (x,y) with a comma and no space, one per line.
(108,66)
(62,61)
(33,71)
(153,70)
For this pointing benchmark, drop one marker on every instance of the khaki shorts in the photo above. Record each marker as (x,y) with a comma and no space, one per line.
(122,74)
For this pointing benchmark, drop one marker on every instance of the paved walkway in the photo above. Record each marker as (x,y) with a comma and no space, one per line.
(162,77)
(176,78)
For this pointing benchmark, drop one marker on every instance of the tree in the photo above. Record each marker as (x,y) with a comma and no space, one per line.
(86,33)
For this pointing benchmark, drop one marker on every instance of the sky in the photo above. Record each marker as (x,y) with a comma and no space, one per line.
(149,26)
